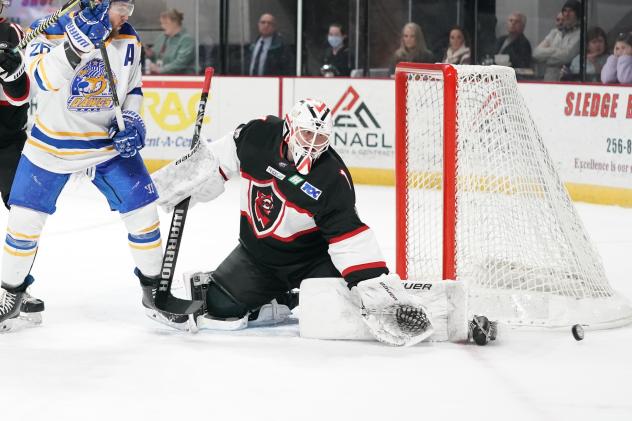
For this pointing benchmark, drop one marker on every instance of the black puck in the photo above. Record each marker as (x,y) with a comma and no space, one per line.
(578,332)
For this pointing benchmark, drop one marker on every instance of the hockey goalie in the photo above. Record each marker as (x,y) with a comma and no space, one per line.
(298,228)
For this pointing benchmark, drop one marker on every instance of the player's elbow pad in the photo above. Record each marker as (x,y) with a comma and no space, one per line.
(196,174)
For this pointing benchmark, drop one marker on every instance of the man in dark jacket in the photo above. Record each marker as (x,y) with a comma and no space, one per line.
(515,44)
(268,55)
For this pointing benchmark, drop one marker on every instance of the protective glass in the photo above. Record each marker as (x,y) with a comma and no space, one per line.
(122,8)
(3,4)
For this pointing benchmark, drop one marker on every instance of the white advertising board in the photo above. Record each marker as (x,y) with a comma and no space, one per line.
(170,107)
(363,112)
(587,128)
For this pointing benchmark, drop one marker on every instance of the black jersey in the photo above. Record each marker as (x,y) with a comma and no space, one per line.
(288,218)
(14,96)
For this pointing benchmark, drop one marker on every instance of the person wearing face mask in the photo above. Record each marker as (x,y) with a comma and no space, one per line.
(337,59)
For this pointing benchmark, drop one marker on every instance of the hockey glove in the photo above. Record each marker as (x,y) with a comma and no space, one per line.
(11,63)
(393,316)
(89,28)
(132,138)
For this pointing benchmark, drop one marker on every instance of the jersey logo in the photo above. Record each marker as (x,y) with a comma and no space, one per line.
(296,179)
(266,208)
(89,89)
(311,191)
(275,173)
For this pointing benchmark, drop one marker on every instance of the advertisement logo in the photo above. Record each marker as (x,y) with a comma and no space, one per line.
(356,129)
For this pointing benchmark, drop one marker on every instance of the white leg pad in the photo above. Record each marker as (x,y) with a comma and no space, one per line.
(327,312)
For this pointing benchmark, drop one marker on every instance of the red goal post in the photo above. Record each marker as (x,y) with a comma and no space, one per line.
(478,199)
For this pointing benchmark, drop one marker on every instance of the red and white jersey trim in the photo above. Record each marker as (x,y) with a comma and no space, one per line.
(356,250)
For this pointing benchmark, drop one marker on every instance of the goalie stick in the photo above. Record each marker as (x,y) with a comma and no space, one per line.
(164,300)
(52,19)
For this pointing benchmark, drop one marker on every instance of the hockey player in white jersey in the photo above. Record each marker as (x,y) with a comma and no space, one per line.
(75,130)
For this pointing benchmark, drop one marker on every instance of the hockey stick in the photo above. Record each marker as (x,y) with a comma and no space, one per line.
(164,300)
(51,20)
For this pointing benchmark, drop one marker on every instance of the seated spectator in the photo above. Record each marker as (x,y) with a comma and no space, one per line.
(560,45)
(618,67)
(412,47)
(174,50)
(515,44)
(337,59)
(458,51)
(268,55)
(596,56)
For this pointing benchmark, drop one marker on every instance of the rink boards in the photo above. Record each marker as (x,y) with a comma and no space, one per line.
(585,127)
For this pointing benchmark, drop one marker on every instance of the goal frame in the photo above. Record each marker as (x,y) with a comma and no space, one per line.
(450,133)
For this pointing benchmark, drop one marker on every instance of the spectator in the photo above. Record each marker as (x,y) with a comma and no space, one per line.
(596,57)
(174,49)
(412,47)
(560,45)
(515,44)
(337,60)
(268,54)
(618,67)
(458,52)
(559,21)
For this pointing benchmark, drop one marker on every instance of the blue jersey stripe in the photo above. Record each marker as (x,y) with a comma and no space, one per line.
(71,143)
(135,91)
(145,238)
(39,81)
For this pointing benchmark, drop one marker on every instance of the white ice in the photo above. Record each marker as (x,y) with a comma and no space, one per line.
(97,357)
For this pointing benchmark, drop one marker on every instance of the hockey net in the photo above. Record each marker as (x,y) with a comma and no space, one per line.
(479,199)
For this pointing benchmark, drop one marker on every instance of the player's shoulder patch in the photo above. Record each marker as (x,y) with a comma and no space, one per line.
(128,31)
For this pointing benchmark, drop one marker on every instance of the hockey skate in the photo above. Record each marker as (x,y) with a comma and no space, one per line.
(149,286)
(18,308)
(196,286)
(482,330)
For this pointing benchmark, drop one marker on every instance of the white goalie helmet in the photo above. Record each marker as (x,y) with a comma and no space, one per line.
(306,130)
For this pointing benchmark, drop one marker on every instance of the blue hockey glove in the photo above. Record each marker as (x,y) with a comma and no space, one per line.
(130,140)
(89,28)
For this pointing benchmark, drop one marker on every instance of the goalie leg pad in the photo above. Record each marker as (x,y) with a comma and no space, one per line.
(327,310)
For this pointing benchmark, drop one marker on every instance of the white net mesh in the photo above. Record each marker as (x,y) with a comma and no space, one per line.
(519,241)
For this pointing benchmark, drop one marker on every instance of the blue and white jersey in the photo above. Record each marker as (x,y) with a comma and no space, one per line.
(75,106)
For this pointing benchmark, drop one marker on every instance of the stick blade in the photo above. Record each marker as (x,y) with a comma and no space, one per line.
(174,305)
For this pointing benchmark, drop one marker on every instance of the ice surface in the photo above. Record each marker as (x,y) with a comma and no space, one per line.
(97,357)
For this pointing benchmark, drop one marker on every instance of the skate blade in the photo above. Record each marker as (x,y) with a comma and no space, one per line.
(204,322)
(157,317)
(24,320)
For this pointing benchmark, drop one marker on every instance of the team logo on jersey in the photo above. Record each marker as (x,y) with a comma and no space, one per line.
(266,207)
(89,89)
(296,179)
(311,191)
(275,173)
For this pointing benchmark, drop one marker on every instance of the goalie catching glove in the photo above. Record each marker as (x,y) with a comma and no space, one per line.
(393,316)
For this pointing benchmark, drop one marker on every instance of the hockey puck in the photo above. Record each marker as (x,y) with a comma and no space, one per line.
(578,332)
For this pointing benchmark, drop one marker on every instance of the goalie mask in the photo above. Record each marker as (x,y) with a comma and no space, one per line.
(307,128)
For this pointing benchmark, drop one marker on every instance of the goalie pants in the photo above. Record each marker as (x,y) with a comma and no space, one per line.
(253,284)
(9,158)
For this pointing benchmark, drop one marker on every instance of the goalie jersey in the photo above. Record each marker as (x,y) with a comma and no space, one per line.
(75,106)
(288,218)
